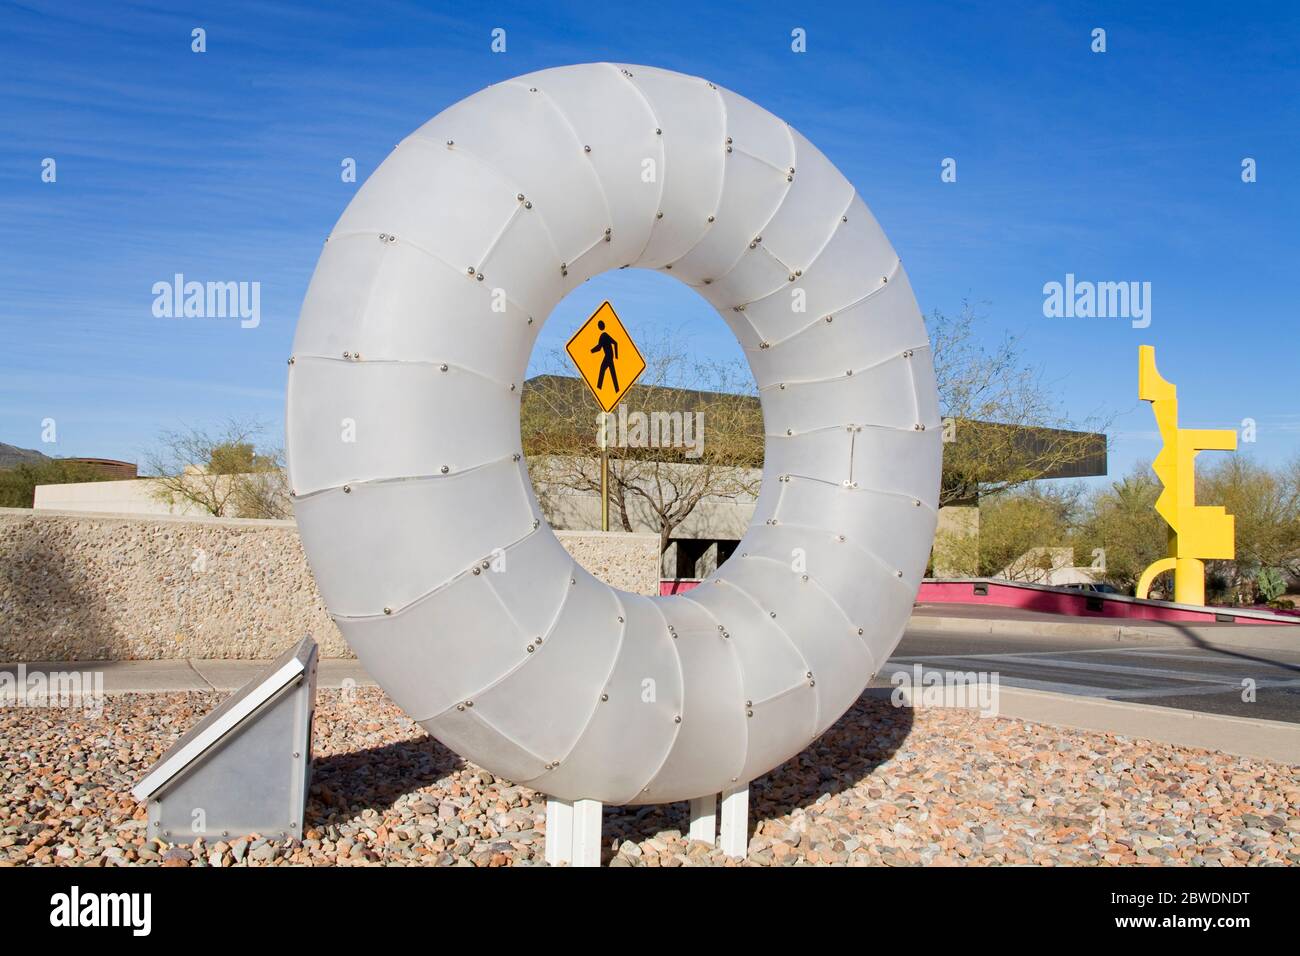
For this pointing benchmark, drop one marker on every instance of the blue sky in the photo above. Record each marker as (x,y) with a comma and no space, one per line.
(1115,166)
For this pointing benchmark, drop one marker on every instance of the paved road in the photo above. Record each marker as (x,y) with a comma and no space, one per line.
(1181,675)
(1212,680)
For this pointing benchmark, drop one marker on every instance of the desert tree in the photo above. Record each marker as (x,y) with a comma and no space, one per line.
(1265,505)
(1119,524)
(660,480)
(220,470)
(1018,534)
(1003,427)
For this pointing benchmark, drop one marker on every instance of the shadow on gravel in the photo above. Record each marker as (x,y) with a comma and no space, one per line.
(342,785)
(865,737)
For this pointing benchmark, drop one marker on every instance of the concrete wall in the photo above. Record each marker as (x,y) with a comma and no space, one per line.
(122,587)
(134,497)
(711,518)
(149,496)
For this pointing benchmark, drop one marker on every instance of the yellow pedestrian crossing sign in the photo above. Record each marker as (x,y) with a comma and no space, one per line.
(606,357)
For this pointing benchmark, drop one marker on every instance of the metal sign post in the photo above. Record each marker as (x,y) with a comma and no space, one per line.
(604,472)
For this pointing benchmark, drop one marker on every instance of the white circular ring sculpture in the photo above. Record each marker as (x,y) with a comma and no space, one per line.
(413,499)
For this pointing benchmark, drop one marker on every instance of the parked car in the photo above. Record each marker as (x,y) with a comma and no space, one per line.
(1100,588)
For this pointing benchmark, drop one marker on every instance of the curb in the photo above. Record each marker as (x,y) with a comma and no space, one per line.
(1239,736)
(173,675)
(1264,637)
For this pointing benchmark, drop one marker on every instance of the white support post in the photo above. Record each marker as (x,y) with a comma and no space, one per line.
(586,833)
(735,821)
(704,816)
(559,831)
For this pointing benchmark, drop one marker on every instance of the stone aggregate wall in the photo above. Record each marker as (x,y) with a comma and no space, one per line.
(79,586)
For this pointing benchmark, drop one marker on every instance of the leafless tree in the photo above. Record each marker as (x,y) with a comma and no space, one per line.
(660,485)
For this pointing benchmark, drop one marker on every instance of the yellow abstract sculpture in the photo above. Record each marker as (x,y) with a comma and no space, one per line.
(1196,532)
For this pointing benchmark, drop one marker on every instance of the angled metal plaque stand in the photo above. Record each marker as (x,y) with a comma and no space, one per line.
(244,768)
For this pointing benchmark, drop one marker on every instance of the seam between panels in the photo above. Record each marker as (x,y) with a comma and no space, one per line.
(785,127)
(510,615)
(852,625)
(506,181)
(604,684)
(897,357)
(853,444)
(816,255)
(496,240)
(393,479)
(916,502)
(751,599)
(290,427)
(776,343)
(785,266)
(835,230)
(406,362)
(436,258)
(796,686)
(822,428)
(794,145)
(499,732)
(437,590)
(522,663)
(736,262)
(817,694)
(370,290)
(663,157)
(677,728)
(521,473)
(581,254)
(722,180)
(526,489)
(893,272)
(867,551)
(794,161)
(916,396)
(600,187)
(784,196)
(764,160)
(814,479)
(734,656)
(510,184)
(414,245)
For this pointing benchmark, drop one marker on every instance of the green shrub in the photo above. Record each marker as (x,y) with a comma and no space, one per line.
(1270,584)
(18,484)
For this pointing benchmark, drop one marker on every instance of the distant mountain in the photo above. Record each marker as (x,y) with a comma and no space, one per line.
(12,455)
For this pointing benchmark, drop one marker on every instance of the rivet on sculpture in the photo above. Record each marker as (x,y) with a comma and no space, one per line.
(1196,532)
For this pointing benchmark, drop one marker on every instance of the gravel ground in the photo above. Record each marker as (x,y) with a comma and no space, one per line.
(884,786)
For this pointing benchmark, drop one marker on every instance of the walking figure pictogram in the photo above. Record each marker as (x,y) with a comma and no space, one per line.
(613,354)
(609,345)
